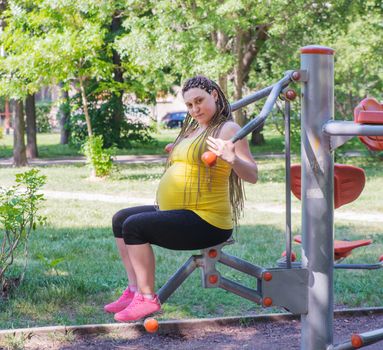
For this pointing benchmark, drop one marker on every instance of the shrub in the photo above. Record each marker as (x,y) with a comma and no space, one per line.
(100,160)
(42,117)
(133,128)
(18,217)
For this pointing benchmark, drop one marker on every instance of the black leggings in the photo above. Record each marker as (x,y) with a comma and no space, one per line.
(172,229)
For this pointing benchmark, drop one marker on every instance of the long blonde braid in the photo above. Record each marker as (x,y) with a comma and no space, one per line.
(222,115)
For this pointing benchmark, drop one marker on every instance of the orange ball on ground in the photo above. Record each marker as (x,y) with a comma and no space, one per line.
(151,325)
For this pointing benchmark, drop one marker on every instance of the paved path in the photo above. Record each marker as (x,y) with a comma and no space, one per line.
(130,159)
(81,160)
(133,159)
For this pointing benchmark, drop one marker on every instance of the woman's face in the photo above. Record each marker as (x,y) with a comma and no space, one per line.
(201,105)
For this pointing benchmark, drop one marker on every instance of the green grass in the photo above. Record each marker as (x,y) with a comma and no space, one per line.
(49,146)
(90,274)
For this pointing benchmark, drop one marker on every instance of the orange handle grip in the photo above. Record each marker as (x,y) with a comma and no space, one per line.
(169,147)
(209,158)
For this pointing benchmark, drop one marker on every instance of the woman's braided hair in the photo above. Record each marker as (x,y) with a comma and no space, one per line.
(222,115)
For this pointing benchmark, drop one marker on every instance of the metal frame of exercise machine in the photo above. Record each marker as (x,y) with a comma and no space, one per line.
(306,289)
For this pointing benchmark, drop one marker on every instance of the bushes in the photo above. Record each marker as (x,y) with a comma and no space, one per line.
(120,128)
(18,217)
(43,110)
(99,159)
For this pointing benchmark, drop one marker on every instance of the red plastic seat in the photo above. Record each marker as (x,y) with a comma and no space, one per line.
(370,111)
(342,249)
(349,182)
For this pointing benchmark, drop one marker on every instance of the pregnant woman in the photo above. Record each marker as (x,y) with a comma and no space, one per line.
(198,206)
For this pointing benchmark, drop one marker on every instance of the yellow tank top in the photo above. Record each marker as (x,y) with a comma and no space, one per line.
(178,188)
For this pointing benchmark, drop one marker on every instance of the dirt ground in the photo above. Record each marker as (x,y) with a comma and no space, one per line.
(267,335)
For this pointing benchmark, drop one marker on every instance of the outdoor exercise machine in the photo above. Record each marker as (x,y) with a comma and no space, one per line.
(304,288)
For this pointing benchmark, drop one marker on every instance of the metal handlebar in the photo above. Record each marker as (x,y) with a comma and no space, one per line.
(273,91)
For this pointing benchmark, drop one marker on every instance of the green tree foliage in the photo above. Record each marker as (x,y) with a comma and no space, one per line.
(254,41)
(359,62)
(63,41)
(225,38)
(355,30)
(49,41)
(244,44)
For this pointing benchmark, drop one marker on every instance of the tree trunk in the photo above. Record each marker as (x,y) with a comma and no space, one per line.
(3,6)
(7,122)
(252,42)
(257,138)
(221,40)
(64,112)
(19,150)
(222,82)
(246,48)
(238,76)
(30,112)
(118,111)
(85,106)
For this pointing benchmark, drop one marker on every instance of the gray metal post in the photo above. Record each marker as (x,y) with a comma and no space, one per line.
(317,196)
(288,183)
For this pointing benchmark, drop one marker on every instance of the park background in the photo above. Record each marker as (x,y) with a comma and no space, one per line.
(112,62)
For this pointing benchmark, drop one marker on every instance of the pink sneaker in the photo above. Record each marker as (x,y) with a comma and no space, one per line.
(121,303)
(138,308)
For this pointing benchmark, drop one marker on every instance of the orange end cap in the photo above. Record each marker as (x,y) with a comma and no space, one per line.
(318,50)
(213,279)
(212,253)
(267,301)
(291,95)
(293,255)
(151,325)
(296,75)
(381,258)
(356,341)
(267,276)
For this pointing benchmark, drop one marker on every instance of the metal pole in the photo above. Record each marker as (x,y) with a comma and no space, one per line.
(241,265)
(317,196)
(176,280)
(346,128)
(288,183)
(240,290)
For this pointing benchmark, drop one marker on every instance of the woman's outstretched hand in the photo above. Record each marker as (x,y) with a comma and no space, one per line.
(224,149)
